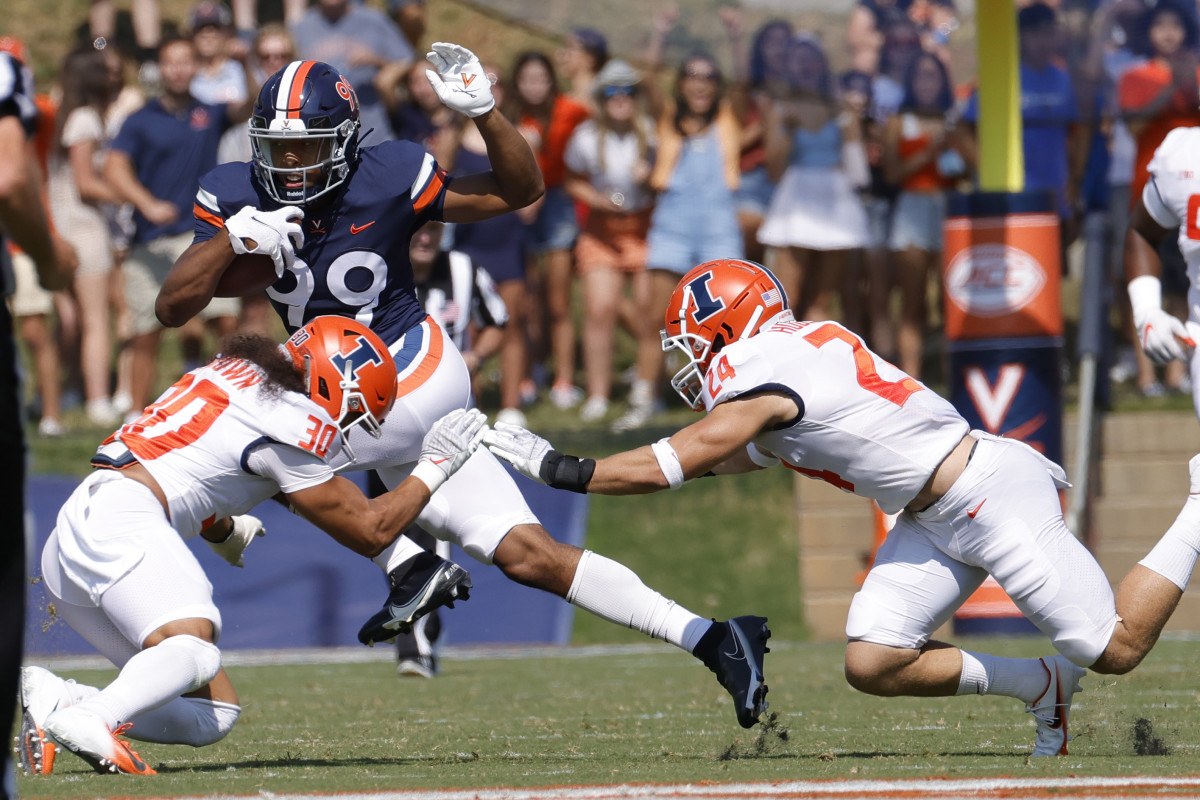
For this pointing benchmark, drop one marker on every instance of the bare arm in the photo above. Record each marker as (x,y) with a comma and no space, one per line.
(777,140)
(192,281)
(122,177)
(92,188)
(1142,238)
(718,439)
(22,214)
(513,182)
(364,525)
(487,344)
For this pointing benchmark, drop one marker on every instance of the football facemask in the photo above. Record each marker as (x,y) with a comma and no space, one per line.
(714,304)
(348,371)
(304,132)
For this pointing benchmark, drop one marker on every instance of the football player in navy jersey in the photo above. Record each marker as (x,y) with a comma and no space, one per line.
(335,216)
(23,216)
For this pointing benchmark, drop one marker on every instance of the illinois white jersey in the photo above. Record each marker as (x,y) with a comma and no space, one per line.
(864,425)
(1172,194)
(199,441)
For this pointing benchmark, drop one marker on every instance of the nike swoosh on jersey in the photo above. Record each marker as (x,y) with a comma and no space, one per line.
(360,228)
(971,514)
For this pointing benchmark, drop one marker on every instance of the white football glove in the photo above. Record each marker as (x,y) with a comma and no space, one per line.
(462,83)
(245,529)
(1163,336)
(275,233)
(525,450)
(448,445)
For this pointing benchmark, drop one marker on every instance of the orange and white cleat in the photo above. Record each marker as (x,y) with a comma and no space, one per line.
(42,693)
(87,736)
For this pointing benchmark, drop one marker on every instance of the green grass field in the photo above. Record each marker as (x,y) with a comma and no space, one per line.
(648,716)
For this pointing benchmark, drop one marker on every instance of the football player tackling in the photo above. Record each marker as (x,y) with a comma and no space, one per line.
(257,421)
(336,216)
(811,396)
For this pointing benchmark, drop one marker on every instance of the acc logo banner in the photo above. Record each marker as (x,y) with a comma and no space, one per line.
(991,280)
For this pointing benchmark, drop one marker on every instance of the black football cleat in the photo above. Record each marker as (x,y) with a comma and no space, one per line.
(429,582)
(736,657)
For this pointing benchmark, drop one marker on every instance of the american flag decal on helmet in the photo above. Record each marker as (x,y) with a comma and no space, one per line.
(771,297)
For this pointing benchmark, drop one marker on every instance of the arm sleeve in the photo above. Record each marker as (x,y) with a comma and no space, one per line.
(1157,207)
(207,218)
(290,467)
(428,192)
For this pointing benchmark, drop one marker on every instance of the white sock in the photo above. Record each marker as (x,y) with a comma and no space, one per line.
(396,553)
(156,676)
(614,592)
(1174,557)
(1022,678)
(185,720)
(78,692)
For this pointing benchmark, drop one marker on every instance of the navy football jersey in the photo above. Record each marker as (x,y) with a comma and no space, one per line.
(354,262)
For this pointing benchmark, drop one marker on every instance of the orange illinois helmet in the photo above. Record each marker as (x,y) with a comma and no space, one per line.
(348,371)
(714,304)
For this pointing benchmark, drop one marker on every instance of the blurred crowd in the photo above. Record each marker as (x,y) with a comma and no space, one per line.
(836,179)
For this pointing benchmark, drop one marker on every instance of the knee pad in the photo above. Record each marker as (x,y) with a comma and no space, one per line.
(202,659)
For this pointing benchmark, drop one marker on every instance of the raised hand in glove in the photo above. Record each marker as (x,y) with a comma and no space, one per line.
(272,233)
(448,445)
(460,81)
(244,530)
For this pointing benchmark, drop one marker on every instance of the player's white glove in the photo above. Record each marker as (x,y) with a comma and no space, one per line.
(524,449)
(245,529)
(275,233)
(460,81)
(1162,336)
(448,445)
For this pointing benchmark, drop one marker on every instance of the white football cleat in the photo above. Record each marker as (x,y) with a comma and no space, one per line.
(1053,708)
(42,693)
(87,736)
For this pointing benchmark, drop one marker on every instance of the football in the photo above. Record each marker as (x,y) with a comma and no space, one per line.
(247,274)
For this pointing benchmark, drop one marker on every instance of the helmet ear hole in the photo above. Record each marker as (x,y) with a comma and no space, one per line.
(323,388)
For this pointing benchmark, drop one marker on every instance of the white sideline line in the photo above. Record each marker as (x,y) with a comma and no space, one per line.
(382,653)
(1076,788)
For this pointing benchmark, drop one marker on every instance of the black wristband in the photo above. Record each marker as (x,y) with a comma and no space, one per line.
(562,471)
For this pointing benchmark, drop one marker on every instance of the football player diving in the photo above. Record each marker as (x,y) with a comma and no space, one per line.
(257,421)
(811,396)
(335,215)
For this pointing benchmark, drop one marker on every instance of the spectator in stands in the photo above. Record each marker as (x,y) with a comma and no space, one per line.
(79,195)
(815,153)
(273,50)
(155,163)
(762,81)
(498,245)
(921,158)
(409,16)
(362,44)
(127,98)
(147,25)
(547,118)
(869,19)
(580,59)
(418,115)
(250,24)
(695,174)
(609,159)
